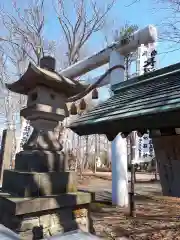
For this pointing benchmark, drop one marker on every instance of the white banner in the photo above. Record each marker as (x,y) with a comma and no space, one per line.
(25,133)
(145,151)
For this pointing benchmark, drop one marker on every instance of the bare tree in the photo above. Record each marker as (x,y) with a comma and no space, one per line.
(124,33)
(89,19)
(25,31)
(23,40)
(170,26)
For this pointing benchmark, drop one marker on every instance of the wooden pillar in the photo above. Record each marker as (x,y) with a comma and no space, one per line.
(119,146)
(167,151)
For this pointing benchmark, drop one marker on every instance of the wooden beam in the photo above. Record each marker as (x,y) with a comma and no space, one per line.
(143,36)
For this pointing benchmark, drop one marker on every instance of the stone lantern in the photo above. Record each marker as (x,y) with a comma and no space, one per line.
(46,106)
(42,187)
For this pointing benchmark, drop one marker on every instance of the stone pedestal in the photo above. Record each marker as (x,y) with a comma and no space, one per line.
(167,151)
(36,205)
(39,198)
(37,218)
(40,161)
(34,184)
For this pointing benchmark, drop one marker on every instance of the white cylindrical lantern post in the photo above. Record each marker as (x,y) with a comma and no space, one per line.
(119,145)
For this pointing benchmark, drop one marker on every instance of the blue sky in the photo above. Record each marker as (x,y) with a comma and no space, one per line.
(142,13)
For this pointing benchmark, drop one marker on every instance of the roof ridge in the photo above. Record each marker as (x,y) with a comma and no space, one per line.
(158,74)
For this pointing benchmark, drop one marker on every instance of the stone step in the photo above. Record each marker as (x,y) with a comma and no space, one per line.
(34,184)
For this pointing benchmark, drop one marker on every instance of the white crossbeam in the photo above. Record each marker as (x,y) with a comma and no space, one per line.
(143,36)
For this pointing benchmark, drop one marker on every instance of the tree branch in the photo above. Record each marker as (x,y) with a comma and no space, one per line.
(87,22)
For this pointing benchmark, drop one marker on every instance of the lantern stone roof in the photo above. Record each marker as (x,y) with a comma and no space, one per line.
(39,76)
(150,101)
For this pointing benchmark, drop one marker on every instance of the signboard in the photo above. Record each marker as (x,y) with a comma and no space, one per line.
(145,146)
(145,150)
(146,59)
(26,131)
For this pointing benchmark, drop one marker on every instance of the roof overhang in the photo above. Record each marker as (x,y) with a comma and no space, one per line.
(112,127)
(149,102)
(35,76)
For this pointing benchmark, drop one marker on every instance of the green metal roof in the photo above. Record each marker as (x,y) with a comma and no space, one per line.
(147,102)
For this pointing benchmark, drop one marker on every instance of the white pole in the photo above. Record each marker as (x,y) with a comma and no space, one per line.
(118,146)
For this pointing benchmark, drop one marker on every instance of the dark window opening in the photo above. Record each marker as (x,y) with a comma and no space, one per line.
(34,96)
(52,96)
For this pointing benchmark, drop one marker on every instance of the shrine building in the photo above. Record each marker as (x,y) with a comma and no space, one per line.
(150,102)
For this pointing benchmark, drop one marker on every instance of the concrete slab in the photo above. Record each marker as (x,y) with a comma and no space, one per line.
(75,235)
(7,234)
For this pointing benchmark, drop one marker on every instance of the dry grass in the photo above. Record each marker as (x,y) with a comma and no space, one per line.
(157,217)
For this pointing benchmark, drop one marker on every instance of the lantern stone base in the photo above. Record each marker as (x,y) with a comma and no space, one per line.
(34,184)
(37,218)
(167,151)
(40,161)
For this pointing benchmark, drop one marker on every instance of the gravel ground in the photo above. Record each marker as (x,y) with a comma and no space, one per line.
(102,182)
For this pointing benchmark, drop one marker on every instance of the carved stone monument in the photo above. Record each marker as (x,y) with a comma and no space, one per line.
(6,152)
(41,196)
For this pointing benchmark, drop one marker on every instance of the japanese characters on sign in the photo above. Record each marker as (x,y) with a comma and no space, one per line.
(25,134)
(150,56)
(145,146)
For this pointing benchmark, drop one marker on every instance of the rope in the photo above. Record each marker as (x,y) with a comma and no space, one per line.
(94,85)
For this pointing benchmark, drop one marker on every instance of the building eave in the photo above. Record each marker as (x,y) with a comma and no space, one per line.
(148,104)
(35,76)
